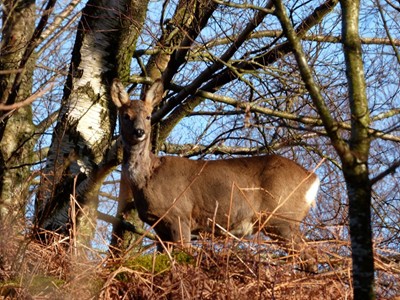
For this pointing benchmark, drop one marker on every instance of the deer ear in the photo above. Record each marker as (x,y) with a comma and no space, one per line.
(154,93)
(118,94)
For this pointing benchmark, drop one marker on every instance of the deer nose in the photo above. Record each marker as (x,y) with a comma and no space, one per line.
(138,132)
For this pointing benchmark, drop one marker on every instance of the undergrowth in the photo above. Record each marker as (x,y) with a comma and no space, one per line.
(223,269)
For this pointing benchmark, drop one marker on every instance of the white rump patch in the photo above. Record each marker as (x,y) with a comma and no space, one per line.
(312,192)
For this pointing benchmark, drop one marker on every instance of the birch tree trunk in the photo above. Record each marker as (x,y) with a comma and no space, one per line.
(81,153)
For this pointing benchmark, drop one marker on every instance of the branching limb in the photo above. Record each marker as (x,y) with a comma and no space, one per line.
(392,169)
(126,225)
(185,105)
(330,124)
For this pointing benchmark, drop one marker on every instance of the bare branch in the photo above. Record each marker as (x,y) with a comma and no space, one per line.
(188,150)
(244,6)
(28,100)
(127,225)
(330,124)
(393,43)
(197,50)
(217,65)
(227,75)
(391,170)
(307,120)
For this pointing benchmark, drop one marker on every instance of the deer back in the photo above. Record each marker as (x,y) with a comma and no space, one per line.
(231,192)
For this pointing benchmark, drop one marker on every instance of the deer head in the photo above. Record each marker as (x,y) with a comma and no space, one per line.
(135,116)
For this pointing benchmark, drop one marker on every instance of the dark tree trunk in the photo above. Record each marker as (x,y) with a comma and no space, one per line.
(353,154)
(355,161)
(16,126)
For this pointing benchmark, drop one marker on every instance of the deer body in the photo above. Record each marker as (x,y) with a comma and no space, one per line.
(242,195)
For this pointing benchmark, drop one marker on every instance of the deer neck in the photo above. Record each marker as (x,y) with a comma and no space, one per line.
(139,163)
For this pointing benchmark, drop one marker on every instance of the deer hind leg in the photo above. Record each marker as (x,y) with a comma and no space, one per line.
(290,237)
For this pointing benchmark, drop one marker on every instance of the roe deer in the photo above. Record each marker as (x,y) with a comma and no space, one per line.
(242,195)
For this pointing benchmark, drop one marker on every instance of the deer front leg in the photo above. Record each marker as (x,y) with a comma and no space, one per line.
(176,231)
(180,233)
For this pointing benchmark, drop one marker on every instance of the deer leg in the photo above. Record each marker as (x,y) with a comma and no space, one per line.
(180,232)
(164,237)
(176,232)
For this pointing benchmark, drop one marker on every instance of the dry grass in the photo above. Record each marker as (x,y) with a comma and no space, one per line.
(233,271)
(230,270)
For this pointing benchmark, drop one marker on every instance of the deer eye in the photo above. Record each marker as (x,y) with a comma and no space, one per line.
(148,118)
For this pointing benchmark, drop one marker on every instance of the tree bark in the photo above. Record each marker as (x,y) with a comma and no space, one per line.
(355,166)
(354,154)
(17,128)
